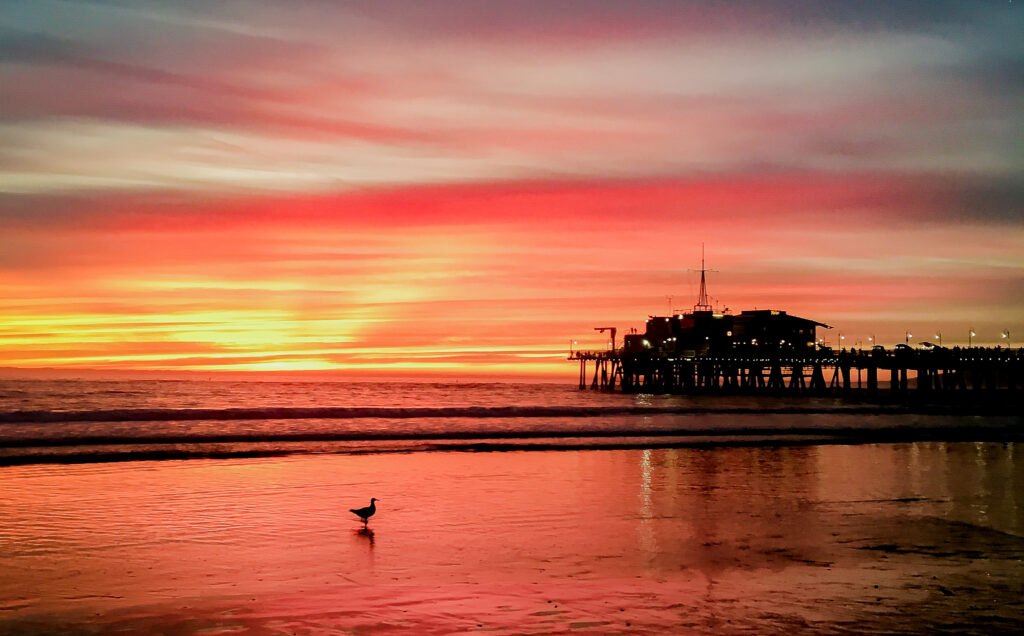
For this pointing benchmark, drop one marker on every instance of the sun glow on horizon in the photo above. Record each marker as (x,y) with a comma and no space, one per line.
(227,190)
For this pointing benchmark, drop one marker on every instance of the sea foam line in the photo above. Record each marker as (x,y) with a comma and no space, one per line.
(1003,429)
(348,412)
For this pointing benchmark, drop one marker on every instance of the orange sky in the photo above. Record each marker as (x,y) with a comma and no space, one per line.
(436,189)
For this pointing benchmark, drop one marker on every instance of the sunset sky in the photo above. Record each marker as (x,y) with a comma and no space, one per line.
(462,187)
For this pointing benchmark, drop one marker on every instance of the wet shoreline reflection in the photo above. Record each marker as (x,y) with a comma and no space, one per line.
(889,537)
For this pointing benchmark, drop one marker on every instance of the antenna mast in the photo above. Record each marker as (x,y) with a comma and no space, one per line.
(702,298)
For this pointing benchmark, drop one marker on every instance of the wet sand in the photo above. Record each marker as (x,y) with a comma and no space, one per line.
(912,538)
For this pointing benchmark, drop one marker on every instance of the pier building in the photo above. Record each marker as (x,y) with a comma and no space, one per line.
(705,332)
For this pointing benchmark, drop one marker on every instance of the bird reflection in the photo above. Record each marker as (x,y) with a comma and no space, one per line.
(365,533)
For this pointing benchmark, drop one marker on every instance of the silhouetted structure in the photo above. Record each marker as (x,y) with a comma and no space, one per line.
(706,332)
(821,371)
(772,352)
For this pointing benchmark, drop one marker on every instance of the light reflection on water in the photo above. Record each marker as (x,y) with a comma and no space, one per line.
(707,540)
(648,543)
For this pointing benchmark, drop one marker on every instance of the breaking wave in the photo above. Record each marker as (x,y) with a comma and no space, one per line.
(478,412)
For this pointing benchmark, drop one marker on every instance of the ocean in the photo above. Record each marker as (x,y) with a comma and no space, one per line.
(83,420)
(202,506)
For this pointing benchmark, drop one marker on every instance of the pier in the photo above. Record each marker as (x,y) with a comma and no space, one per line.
(878,372)
(771,352)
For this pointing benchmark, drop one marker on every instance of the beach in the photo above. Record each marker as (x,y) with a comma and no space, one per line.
(648,317)
(905,538)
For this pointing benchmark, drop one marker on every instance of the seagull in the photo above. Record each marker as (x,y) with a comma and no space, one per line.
(367,512)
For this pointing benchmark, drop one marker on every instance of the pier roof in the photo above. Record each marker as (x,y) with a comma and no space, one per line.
(781,313)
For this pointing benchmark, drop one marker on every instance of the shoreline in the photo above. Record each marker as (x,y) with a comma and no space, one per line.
(895,538)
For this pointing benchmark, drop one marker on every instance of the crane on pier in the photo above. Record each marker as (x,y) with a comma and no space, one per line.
(611,329)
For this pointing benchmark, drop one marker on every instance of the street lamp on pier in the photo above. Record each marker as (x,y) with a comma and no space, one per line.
(970,337)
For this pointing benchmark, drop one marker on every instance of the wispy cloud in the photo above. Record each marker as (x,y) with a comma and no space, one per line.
(430,183)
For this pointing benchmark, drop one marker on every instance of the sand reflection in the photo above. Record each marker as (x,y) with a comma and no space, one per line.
(811,538)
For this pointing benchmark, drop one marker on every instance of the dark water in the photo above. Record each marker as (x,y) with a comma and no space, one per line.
(76,421)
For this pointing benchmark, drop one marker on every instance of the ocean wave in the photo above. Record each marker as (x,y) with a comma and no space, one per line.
(1003,428)
(348,412)
(150,448)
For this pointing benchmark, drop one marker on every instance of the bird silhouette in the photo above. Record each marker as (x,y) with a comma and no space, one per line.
(367,512)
